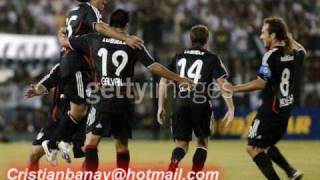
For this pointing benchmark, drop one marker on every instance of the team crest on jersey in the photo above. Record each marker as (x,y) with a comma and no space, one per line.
(265,71)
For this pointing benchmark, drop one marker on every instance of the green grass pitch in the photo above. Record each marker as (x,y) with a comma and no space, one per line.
(228,155)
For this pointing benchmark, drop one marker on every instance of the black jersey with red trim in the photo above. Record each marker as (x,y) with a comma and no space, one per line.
(113,64)
(201,66)
(280,69)
(60,104)
(80,20)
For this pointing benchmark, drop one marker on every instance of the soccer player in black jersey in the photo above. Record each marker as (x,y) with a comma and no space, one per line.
(113,64)
(75,71)
(192,109)
(60,106)
(277,79)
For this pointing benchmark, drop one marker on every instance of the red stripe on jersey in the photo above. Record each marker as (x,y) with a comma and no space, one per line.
(56,101)
(79,26)
(274,103)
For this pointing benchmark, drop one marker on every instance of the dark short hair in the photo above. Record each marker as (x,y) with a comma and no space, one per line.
(83,1)
(199,35)
(119,18)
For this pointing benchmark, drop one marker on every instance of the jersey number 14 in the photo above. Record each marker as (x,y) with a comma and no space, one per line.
(194,70)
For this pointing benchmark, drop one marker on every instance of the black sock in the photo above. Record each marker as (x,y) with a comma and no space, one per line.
(265,165)
(67,127)
(199,158)
(123,159)
(278,158)
(91,161)
(177,154)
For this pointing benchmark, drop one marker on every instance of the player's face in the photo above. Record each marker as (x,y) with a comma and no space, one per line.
(265,36)
(100,4)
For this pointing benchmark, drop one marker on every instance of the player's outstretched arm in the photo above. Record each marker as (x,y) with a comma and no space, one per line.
(253,85)
(162,92)
(162,71)
(226,91)
(106,30)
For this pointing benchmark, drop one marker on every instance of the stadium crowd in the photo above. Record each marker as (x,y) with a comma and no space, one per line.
(164,26)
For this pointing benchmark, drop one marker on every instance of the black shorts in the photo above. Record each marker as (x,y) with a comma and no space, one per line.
(75,85)
(107,124)
(188,118)
(45,133)
(267,129)
(77,139)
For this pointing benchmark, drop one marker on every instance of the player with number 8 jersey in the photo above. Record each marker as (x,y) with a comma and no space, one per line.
(277,78)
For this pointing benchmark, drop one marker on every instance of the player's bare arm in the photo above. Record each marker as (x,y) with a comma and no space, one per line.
(160,70)
(257,84)
(106,30)
(161,109)
(226,91)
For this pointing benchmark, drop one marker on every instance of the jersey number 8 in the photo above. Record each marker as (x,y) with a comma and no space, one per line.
(284,85)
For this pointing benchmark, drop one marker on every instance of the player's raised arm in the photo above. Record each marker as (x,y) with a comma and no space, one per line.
(295,44)
(106,30)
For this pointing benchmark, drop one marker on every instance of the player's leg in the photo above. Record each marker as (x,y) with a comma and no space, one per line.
(200,156)
(263,162)
(70,123)
(182,134)
(277,157)
(91,161)
(36,154)
(259,139)
(123,154)
(121,130)
(178,154)
(201,125)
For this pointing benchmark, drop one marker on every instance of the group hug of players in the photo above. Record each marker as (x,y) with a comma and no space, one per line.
(103,54)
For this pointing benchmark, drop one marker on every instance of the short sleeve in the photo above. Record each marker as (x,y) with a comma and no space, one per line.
(264,71)
(219,69)
(52,79)
(144,57)
(91,18)
(82,43)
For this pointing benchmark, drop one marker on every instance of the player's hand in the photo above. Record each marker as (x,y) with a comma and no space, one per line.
(228,117)
(185,83)
(62,37)
(161,115)
(135,42)
(31,92)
